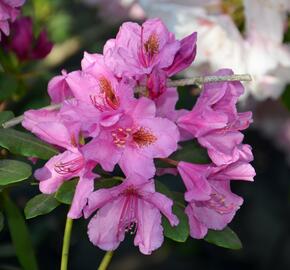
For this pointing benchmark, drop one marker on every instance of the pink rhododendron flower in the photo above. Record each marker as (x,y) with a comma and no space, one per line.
(133,141)
(65,166)
(138,49)
(118,110)
(97,86)
(149,54)
(23,43)
(8,13)
(212,205)
(133,206)
(58,88)
(215,122)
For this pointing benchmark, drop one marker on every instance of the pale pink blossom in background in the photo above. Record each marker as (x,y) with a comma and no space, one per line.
(260,52)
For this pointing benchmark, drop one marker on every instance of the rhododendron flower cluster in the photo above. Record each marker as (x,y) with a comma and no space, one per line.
(118,116)
(8,13)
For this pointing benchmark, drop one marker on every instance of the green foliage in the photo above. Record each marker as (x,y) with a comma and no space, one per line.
(66,191)
(180,232)
(40,205)
(13,171)
(161,188)
(8,86)
(20,235)
(5,116)
(107,182)
(286,97)
(25,144)
(226,238)
(191,152)
(1,221)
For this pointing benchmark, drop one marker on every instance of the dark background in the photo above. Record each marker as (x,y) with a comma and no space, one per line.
(263,222)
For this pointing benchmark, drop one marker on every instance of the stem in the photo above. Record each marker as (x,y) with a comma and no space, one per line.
(182,82)
(17,120)
(209,79)
(169,161)
(66,243)
(106,260)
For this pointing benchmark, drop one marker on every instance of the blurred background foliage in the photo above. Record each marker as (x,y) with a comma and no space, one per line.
(263,223)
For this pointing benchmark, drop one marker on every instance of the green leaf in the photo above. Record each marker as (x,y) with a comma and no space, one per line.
(161,188)
(19,235)
(25,144)
(40,205)
(5,116)
(107,182)
(13,171)
(66,191)
(286,97)
(226,238)
(8,86)
(191,152)
(179,233)
(1,221)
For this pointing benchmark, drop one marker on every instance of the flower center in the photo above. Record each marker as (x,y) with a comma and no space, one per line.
(128,219)
(108,91)
(218,203)
(106,98)
(142,137)
(71,166)
(151,46)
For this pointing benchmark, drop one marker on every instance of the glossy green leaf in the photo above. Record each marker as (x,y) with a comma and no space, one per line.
(107,182)
(66,191)
(161,188)
(1,221)
(286,97)
(191,152)
(8,86)
(19,235)
(40,205)
(13,171)
(5,116)
(179,233)
(25,144)
(226,238)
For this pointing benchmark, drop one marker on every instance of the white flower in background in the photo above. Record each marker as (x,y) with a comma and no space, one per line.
(259,52)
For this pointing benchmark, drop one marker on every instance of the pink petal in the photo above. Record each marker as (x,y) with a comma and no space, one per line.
(149,234)
(197,229)
(103,229)
(84,188)
(194,177)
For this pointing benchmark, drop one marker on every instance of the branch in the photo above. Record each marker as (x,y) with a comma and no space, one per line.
(209,79)
(171,83)
(17,120)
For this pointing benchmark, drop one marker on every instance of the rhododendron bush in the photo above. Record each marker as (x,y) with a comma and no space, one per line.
(117,144)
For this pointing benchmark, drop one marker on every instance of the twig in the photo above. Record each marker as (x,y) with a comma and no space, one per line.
(171,83)
(17,120)
(209,79)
